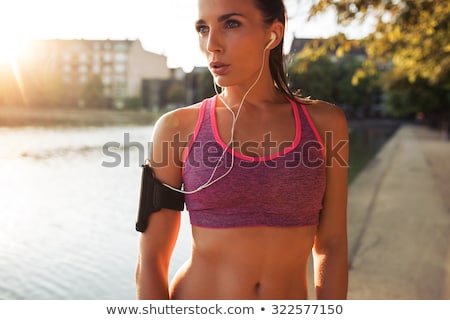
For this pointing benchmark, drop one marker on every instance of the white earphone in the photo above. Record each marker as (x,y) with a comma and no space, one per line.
(273,37)
(235,116)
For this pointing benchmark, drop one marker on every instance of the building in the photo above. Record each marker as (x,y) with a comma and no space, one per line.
(121,69)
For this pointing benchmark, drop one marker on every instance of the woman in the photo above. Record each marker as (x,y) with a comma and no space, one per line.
(276,193)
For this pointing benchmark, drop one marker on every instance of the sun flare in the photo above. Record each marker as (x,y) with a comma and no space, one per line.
(12,50)
(12,54)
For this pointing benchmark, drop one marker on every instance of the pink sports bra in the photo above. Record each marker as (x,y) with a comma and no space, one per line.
(282,189)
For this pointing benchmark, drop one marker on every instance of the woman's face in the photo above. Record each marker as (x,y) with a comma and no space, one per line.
(232,35)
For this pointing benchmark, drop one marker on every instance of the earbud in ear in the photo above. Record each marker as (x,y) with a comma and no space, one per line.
(273,37)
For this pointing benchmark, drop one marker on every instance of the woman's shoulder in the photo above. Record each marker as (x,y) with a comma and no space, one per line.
(181,122)
(326,116)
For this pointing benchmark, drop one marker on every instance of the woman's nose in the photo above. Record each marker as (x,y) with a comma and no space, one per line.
(214,42)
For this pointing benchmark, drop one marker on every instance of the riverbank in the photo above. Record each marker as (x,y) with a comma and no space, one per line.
(399,220)
(77,117)
(44,117)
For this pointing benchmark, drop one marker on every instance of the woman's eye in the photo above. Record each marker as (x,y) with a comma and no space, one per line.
(231,24)
(202,29)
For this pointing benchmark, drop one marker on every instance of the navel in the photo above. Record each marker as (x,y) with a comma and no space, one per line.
(258,288)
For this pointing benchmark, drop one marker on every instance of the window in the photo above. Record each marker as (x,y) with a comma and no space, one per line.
(107,69)
(83,79)
(120,57)
(82,69)
(119,68)
(107,57)
(83,57)
(119,79)
(96,68)
(121,47)
(120,91)
(106,80)
(67,80)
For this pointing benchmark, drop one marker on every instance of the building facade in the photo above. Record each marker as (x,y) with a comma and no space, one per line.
(117,70)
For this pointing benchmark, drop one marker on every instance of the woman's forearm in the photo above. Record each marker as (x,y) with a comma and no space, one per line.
(331,275)
(151,283)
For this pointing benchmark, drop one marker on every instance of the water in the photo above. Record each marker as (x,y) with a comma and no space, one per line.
(67,219)
(67,222)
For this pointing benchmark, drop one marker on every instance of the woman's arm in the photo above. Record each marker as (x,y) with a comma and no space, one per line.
(155,249)
(330,244)
(156,244)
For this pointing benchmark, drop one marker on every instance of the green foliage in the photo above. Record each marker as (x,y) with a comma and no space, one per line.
(133,103)
(405,98)
(331,80)
(50,93)
(176,93)
(317,80)
(92,93)
(205,85)
(410,43)
(413,35)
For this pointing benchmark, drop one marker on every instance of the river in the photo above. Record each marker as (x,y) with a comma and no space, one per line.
(68,201)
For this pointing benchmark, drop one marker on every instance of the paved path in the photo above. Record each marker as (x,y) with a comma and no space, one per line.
(399,220)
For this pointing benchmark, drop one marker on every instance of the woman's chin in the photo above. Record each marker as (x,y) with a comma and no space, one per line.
(222,81)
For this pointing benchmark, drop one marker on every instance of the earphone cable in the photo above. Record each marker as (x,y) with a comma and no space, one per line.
(231,143)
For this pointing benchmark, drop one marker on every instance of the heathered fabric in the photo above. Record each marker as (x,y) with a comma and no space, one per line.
(283,189)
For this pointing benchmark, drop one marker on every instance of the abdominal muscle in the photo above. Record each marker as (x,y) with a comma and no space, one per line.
(246,263)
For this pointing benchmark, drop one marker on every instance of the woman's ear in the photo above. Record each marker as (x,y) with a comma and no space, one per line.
(276,29)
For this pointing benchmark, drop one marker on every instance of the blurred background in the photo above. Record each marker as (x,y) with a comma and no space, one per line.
(82,83)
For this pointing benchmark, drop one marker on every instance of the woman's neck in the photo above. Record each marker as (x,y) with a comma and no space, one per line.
(263,92)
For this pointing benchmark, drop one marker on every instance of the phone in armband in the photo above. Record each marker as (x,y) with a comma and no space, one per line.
(155,196)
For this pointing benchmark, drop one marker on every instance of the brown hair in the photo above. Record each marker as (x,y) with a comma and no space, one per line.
(274,10)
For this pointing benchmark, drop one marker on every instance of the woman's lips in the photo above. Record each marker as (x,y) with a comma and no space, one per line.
(219,68)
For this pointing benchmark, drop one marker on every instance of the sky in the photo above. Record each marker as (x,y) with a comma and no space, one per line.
(163,26)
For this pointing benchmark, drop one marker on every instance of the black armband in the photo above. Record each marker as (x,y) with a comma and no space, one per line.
(155,196)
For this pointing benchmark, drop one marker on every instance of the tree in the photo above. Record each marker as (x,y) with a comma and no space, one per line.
(405,98)
(316,81)
(205,85)
(409,45)
(176,93)
(93,93)
(412,35)
(331,80)
(134,103)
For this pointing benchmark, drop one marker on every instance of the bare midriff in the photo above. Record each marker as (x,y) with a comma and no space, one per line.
(267,263)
